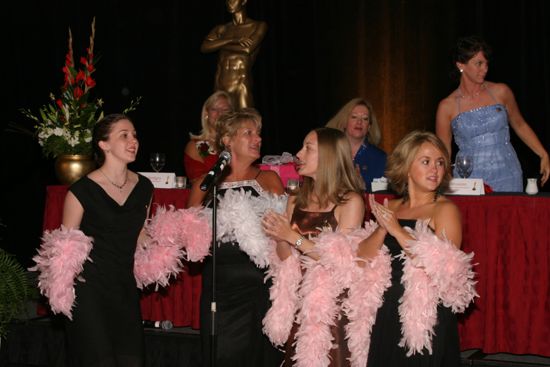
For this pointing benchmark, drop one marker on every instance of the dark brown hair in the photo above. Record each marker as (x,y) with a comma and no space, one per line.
(101,133)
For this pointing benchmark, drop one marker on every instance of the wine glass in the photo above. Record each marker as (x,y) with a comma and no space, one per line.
(157,161)
(292,185)
(464,165)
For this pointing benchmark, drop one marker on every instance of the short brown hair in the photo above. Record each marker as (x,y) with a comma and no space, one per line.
(400,160)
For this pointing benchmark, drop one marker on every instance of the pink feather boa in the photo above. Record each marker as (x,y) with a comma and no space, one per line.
(435,272)
(60,260)
(283,294)
(174,234)
(316,298)
(438,272)
(365,296)
(324,281)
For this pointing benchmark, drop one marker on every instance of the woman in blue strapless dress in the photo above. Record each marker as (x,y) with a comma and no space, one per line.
(478,114)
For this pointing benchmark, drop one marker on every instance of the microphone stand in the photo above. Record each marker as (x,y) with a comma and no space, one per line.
(213,335)
(211,180)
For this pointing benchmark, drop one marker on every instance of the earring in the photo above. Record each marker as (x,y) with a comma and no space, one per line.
(405,192)
(461,70)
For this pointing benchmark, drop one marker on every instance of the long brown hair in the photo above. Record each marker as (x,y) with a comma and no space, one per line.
(336,175)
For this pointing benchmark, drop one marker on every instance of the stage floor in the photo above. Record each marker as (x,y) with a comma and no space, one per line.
(40,342)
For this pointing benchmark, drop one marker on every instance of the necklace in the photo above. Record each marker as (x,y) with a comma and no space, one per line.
(463,95)
(114,184)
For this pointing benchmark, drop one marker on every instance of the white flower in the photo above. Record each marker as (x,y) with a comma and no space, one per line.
(58,131)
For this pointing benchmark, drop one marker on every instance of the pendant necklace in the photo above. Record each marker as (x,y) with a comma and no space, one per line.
(474,95)
(114,184)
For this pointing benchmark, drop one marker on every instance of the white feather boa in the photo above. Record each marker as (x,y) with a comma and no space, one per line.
(239,219)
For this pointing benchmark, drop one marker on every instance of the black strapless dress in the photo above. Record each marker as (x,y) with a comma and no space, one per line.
(242,299)
(386,333)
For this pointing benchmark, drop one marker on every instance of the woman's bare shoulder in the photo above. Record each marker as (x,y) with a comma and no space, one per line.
(447,104)
(353,196)
(271,182)
(446,208)
(191,150)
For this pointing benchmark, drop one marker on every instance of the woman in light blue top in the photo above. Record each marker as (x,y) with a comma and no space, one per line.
(478,114)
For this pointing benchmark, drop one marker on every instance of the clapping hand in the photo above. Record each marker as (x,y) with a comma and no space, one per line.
(384,215)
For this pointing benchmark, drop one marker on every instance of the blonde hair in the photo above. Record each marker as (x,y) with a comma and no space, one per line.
(228,124)
(336,175)
(206,132)
(401,159)
(340,120)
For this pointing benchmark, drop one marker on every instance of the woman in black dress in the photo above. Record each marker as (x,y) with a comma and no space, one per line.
(242,295)
(110,205)
(418,169)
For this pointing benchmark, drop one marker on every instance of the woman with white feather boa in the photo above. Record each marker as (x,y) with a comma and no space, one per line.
(242,256)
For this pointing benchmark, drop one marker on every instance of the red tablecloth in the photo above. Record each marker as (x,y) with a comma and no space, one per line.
(510,236)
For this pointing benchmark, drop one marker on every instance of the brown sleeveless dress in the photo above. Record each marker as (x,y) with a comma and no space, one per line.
(310,224)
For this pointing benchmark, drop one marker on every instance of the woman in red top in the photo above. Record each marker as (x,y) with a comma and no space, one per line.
(200,152)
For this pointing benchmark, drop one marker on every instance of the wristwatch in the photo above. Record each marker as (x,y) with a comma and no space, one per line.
(299,241)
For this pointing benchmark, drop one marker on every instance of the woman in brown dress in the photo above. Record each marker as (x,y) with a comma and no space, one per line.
(330,198)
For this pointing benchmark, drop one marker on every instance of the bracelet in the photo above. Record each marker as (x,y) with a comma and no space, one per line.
(299,242)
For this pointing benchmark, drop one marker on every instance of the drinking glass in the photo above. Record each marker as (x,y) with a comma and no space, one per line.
(464,165)
(292,185)
(157,161)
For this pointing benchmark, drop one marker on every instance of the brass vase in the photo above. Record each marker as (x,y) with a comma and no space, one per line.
(71,167)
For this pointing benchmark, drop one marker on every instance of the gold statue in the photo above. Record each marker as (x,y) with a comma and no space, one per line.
(238,43)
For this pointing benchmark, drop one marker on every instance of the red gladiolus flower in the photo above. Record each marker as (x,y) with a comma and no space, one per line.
(78,92)
(83,60)
(90,68)
(80,76)
(69,59)
(90,82)
(68,76)
(59,103)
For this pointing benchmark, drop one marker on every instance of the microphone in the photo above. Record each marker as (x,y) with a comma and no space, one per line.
(214,174)
(164,324)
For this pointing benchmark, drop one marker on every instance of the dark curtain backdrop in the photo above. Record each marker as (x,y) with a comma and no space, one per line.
(316,56)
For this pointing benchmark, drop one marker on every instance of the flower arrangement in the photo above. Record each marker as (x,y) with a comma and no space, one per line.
(65,125)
